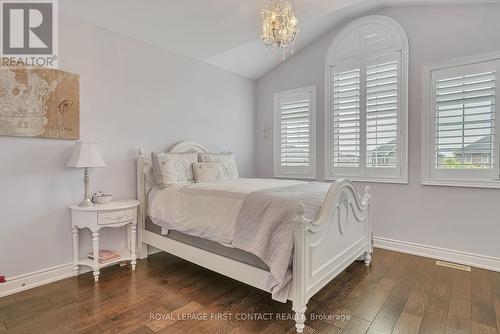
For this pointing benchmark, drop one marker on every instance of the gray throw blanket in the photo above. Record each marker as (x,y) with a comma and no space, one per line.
(263,227)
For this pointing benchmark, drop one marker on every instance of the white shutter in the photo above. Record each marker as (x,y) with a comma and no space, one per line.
(345,118)
(295,131)
(382,115)
(465,121)
(366,74)
(460,143)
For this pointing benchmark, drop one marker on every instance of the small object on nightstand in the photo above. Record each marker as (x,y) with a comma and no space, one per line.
(104,199)
(113,214)
(100,198)
(106,256)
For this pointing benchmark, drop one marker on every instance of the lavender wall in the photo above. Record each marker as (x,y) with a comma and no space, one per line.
(131,95)
(453,218)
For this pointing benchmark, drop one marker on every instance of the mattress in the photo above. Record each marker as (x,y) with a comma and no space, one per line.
(210,246)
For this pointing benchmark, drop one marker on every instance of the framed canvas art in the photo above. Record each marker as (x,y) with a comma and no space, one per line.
(39,102)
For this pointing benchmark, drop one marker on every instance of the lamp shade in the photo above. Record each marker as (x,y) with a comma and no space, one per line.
(86,155)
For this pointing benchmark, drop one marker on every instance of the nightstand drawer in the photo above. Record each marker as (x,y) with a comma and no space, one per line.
(115,217)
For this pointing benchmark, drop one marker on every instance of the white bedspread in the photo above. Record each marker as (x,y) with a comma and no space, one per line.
(207,210)
(253,215)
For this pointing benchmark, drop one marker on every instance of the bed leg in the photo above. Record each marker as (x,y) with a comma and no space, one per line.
(368,258)
(300,266)
(300,318)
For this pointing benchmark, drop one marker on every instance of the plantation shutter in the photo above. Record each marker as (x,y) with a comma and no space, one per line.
(345,119)
(294,120)
(465,121)
(367,103)
(382,115)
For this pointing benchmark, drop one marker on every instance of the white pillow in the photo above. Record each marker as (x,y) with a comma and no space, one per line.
(207,172)
(171,168)
(228,164)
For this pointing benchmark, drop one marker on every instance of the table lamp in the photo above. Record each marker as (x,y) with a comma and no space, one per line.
(86,155)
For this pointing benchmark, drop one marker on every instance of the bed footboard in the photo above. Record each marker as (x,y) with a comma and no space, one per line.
(326,247)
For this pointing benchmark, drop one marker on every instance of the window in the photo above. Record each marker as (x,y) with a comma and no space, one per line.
(366,102)
(460,125)
(295,131)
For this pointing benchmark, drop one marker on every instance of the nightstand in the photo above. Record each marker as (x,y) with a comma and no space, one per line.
(113,214)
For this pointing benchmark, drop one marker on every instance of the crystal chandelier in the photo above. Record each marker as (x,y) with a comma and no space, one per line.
(280,26)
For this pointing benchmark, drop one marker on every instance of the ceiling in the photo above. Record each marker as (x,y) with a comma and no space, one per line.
(224,33)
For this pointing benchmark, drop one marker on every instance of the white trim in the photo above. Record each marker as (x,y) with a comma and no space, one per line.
(426,142)
(309,172)
(488,184)
(368,179)
(438,253)
(461,61)
(36,278)
(380,19)
(403,126)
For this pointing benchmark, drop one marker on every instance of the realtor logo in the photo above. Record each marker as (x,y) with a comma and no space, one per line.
(29,32)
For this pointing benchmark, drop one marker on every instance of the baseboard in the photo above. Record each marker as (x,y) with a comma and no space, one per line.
(470,259)
(44,276)
(34,279)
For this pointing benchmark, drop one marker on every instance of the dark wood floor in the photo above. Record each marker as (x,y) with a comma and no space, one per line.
(398,294)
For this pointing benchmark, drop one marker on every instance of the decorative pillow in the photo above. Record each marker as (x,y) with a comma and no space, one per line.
(171,168)
(207,172)
(227,162)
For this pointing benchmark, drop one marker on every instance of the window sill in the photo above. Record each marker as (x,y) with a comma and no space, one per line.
(369,179)
(488,184)
(295,176)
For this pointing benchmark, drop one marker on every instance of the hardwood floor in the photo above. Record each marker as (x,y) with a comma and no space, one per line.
(399,293)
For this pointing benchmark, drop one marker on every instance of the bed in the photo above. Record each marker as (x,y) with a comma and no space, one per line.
(323,247)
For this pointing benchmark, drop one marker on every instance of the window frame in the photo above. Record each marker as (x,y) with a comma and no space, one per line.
(370,174)
(295,172)
(461,177)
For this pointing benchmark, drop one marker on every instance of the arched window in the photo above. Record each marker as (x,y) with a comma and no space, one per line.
(366,73)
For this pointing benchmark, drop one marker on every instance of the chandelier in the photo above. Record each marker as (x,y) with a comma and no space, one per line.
(280,27)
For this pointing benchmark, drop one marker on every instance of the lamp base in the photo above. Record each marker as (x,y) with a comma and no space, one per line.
(86,203)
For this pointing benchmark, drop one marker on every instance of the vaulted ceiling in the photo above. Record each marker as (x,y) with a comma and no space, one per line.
(224,33)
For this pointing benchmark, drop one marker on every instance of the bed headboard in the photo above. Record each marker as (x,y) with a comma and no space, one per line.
(188,146)
(145,182)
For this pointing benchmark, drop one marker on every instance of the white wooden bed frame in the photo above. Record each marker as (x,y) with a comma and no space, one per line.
(322,248)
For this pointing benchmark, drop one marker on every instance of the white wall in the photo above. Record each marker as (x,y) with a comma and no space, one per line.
(131,95)
(454,218)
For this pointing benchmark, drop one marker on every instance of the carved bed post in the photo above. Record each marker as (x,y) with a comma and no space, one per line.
(299,304)
(366,200)
(141,197)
